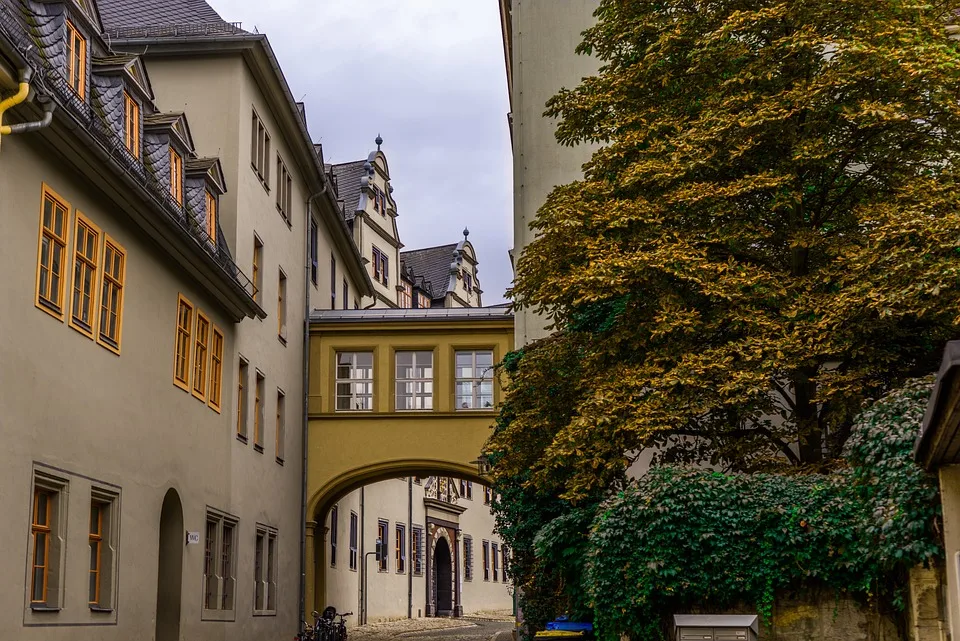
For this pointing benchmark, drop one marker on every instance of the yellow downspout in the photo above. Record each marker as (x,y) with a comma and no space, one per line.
(13,100)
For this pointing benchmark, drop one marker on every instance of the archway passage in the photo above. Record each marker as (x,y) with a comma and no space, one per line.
(170,568)
(443,578)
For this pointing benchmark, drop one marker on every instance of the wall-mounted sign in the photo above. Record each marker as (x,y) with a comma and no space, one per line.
(193,538)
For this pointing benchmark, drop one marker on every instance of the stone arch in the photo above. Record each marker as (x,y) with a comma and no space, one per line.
(320,503)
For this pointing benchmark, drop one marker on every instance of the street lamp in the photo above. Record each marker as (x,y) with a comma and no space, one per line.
(483,464)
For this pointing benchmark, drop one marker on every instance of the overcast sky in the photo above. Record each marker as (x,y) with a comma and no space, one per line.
(428,76)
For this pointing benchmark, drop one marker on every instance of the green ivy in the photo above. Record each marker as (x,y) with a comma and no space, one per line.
(682,537)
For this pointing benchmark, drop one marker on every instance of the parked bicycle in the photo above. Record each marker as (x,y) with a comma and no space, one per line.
(325,626)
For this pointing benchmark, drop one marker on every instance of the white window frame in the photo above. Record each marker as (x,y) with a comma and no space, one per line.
(267,579)
(225,583)
(353,380)
(476,379)
(421,396)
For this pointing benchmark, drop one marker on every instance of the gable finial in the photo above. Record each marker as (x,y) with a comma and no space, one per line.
(379,141)
(466,232)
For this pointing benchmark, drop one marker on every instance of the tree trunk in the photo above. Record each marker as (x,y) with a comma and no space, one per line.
(809,433)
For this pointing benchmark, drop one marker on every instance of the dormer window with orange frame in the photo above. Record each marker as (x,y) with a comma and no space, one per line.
(176,176)
(76,60)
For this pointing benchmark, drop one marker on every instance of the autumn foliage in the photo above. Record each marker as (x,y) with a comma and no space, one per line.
(767,236)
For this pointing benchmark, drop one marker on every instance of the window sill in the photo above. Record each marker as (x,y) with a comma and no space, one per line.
(264,613)
(40,607)
(100,610)
(279,461)
(283,341)
(258,448)
(218,615)
(242,438)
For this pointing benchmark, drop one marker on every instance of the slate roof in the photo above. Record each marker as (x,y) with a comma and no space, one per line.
(120,14)
(433,264)
(348,185)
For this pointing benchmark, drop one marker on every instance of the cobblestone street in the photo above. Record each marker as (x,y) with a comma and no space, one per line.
(484,628)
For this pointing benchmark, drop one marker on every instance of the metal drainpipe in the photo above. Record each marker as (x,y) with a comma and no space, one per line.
(410,547)
(363,564)
(23,92)
(306,409)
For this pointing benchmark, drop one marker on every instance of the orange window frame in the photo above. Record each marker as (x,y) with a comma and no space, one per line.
(131,125)
(96,547)
(216,369)
(201,354)
(40,528)
(257,258)
(113,275)
(242,374)
(281,304)
(258,412)
(86,269)
(51,264)
(212,218)
(184,336)
(176,176)
(281,424)
(76,60)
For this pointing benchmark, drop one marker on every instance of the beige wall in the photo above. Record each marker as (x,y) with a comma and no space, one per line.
(96,419)
(264,490)
(545,34)
(950,497)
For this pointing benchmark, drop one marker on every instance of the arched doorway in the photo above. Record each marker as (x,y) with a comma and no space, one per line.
(443,577)
(170,568)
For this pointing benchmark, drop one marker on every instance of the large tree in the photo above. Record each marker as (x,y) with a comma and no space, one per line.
(768,235)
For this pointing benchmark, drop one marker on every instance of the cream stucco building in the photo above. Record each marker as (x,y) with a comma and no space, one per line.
(539,41)
(402,510)
(161,250)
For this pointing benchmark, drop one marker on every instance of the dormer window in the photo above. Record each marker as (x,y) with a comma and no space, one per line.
(76,60)
(176,176)
(468,282)
(212,217)
(131,125)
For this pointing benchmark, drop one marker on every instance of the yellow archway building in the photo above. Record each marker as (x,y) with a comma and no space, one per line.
(396,392)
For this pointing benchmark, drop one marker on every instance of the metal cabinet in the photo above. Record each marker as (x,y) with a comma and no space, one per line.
(715,627)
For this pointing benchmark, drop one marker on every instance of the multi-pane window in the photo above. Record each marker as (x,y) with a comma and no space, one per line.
(111,295)
(346,293)
(466,489)
(487,495)
(76,60)
(381,266)
(333,282)
(216,369)
(219,562)
(468,282)
(468,558)
(281,423)
(257,262)
(265,571)
(200,351)
(181,362)
(400,548)
(211,217)
(414,380)
(474,380)
(353,540)
(176,176)
(242,386)
(334,523)
(102,547)
(417,535)
(486,560)
(422,301)
(86,255)
(260,151)
(282,306)
(258,400)
(382,529)
(314,251)
(405,296)
(495,557)
(131,125)
(41,529)
(52,254)
(354,381)
(284,190)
